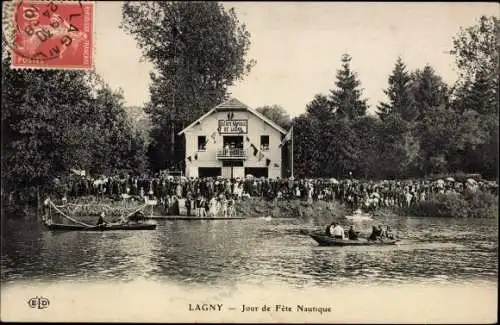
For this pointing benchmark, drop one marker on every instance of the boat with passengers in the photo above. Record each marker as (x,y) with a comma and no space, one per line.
(66,219)
(334,235)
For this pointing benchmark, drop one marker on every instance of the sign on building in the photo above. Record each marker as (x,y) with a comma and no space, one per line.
(233,126)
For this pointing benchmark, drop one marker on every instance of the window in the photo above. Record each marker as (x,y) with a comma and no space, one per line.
(264,142)
(202,143)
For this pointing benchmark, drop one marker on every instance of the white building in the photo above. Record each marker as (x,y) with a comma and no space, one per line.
(233,140)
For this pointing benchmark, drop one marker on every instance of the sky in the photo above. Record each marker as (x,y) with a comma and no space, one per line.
(298,46)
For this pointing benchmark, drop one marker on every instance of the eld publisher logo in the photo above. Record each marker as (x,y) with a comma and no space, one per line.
(39,302)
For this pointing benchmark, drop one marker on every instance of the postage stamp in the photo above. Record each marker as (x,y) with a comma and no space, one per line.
(52,35)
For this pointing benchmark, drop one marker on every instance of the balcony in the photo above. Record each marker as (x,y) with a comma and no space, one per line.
(234,153)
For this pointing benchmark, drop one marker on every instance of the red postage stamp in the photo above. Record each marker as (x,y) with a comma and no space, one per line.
(53,35)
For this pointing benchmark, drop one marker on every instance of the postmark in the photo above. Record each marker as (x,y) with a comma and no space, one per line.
(52,35)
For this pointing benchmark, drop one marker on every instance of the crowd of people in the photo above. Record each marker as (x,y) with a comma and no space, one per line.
(216,196)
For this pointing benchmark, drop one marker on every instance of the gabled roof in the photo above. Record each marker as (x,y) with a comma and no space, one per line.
(234,104)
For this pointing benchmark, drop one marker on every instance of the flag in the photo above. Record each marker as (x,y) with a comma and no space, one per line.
(189,158)
(260,156)
(287,137)
(268,162)
(255,150)
(195,156)
(78,172)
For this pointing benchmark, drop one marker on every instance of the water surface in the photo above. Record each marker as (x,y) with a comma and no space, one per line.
(252,251)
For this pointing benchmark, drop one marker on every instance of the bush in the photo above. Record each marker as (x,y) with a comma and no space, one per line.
(477,204)
(482,205)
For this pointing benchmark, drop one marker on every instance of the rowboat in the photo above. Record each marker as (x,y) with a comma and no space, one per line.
(103,227)
(324,240)
(68,211)
(193,218)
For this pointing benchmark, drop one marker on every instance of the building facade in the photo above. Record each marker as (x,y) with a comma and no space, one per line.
(233,140)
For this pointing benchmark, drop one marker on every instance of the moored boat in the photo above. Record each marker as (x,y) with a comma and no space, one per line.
(129,221)
(324,240)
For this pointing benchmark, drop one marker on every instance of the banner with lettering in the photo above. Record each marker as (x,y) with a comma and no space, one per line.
(233,126)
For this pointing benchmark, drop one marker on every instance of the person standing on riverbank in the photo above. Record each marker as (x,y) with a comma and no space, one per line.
(187,204)
(201,211)
(213,207)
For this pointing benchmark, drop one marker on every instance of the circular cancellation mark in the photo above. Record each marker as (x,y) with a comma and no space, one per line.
(42,30)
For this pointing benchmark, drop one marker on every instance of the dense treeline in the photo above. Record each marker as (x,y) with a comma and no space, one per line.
(54,121)
(57,120)
(424,128)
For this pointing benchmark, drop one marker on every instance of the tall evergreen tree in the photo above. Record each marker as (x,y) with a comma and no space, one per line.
(480,96)
(399,95)
(428,90)
(346,99)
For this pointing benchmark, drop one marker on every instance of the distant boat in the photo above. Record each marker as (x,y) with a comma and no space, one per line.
(359,216)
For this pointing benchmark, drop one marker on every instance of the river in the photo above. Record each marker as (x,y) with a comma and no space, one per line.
(254,252)
(251,251)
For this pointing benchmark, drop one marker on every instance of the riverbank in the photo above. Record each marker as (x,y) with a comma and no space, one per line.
(452,205)
(317,210)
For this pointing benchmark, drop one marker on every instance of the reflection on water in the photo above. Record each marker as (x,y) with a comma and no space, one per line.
(252,251)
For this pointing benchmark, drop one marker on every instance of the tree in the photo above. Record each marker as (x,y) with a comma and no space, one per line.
(277,114)
(438,135)
(394,157)
(367,130)
(306,149)
(338,147)
(198,50)
(320,108)
(47,125)
(399,95)
(479,95)
(346,99)
(55,120)
(476,50)
(428,91)
(140,121)
(475,96)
